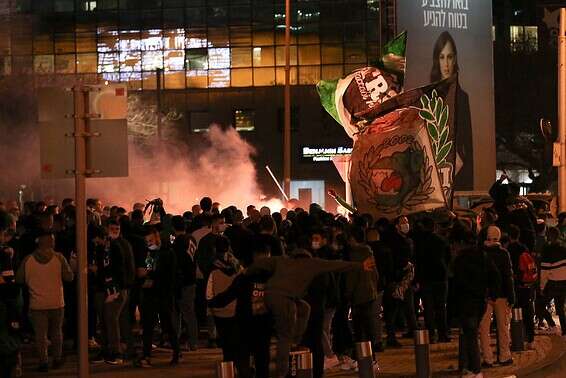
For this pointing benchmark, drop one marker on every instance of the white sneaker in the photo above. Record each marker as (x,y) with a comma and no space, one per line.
(331,363)
(348,364)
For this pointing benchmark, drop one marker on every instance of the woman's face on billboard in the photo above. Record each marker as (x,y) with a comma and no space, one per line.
(447,60)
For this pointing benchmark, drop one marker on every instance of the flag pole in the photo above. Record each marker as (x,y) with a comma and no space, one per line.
(287,126)
(562,111)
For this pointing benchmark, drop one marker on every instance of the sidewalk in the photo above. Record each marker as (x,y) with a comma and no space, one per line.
(393,362)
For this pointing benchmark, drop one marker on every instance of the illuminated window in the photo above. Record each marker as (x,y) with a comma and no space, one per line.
(197,59)
(332,54)
(152,60)
(43,64)
(524,39)
(280,55)
(241,57)
(88,5)
(130,61)
(219,78)
(244,120)
(241,77)
(86,63)
(263,56)
(65,64)
(174,60)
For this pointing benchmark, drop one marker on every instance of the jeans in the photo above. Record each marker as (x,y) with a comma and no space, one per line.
(525,300)
(542,302)
(364,321)
(188,313)
(393,308)
(48,322)
(557,291)
(109,315)
(503,316)
(434,296)
(151,307)
(327,332)
(291,317)
(126,327)
(469,348)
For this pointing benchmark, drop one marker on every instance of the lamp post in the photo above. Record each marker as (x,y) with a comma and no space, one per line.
(287,126)
(562,111)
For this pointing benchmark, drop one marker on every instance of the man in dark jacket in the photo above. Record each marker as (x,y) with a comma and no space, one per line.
(158,295)
(184,247)
(525,291)
(504,300)
(475,279)
(432,256)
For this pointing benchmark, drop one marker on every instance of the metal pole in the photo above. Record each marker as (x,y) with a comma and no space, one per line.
(422,354)
(364,356)
(81,223)
(158,73)
(562,111)
(517,331)
(287,128)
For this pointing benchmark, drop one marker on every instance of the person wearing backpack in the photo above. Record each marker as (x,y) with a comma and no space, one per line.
(553,274)
(526,275)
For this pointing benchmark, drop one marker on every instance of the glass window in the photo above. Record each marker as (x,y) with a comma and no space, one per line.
(149,80)
(240,36)
(64,43)
(309,74)
(108,62)
(241,77)
(5,43)
(65,64)
(175,80)
(280,38)
(108,4)
(130,40)
(21,44)
(86,42)
(197,59)
(195,17)
(5,65)
(151,19)
(151,40)
(130,61)
(219,58)
(332,54)
(217,15)
(332,72)
(174,39)
(219,78)
(86,63)
(524,39)
(354,32)
(240,15)
(22,65)
(263,56)
(244,120)
(309,54)
(280,55)
(43,44)
(241,57)
(263,37)
(218,37)
(195,38)
(264,76)
(173,18)
(64,5)
(152,60)
(280,75)
(174,60)
(263,14)
(197,78)
(107,41)
(355,53)
(43,64)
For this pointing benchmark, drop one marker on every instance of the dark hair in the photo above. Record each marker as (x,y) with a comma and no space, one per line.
(178,223)
(441,41)
(66,202)
(150,230)
(461,233)
(222,244)
(358,234)
(266,223)
(216,217)
(514,232)
(113,222)
(137,215)
(91,202)
(324,233)
(206,204)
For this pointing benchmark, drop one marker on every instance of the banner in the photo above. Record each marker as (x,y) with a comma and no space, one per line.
(401,144)
(448,38)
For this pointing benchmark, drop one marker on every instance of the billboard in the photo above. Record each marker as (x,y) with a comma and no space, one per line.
(447,37)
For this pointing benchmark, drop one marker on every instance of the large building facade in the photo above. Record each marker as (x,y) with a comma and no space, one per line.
(215,61)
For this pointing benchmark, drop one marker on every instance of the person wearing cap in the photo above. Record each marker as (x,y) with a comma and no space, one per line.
(504,301)
(43,272)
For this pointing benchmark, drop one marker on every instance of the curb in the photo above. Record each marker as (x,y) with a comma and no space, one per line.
(553,363)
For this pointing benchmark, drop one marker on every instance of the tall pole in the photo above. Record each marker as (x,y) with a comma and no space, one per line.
(81,243)
(287,128)
(562,111)
(158,72)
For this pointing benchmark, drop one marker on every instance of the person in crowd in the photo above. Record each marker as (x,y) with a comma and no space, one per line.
(501,306)
(553,274)
(206,205)
(158,295)
(240,238)
(184,247)
(432,257)
(268,235)
(476,281)
(94,211)
(525,279)
(43,272)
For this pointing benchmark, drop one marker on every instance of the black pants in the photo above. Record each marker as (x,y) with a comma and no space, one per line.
(228,337)
(152,307)
(542,303)
(470,318)
(364,317)
(557,291)
(393,308)
(312,338)
(525,300)
(434,297)
(255,339)
(341,334)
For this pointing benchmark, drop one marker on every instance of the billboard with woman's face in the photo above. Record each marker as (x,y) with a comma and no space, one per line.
(448,37)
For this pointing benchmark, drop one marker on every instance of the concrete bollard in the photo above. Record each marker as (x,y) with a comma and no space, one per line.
(517,331)
(422,354)
(300,364)
(364,355)
(225,369)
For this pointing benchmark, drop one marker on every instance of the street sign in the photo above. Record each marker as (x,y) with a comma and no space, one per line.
(107,141)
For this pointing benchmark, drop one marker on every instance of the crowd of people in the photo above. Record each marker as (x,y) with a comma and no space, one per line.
(218,277)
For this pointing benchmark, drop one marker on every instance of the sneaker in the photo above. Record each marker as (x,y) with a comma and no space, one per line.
(113,360)
(507,362)
(331,363)
(99,358)
(348,364)
(57,363)
(144,362)
(43,368)
(92,344)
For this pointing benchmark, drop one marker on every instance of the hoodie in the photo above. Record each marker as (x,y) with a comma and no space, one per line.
(43,272)
(502,260)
